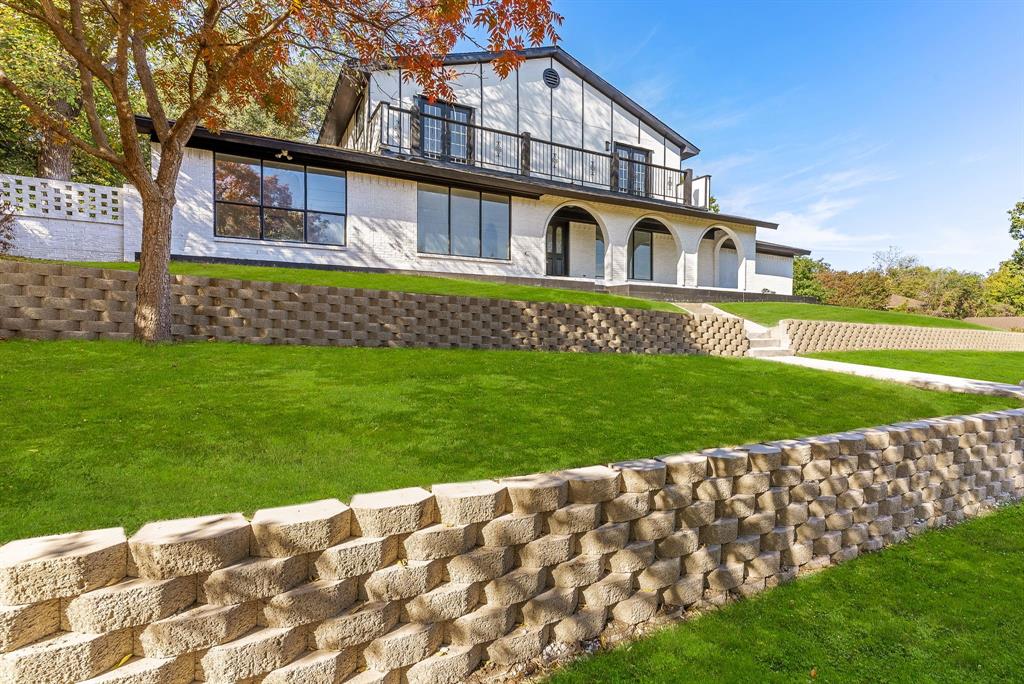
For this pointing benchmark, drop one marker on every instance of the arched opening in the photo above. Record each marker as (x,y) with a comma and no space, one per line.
(718,260)
(575,244)
(652,253)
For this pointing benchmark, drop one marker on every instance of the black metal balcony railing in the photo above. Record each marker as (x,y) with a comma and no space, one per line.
(406,131)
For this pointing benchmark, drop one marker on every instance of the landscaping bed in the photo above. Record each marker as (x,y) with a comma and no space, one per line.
(1005,367)
(106,433)
(770,313)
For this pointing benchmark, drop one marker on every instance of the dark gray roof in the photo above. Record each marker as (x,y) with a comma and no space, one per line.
(780,250)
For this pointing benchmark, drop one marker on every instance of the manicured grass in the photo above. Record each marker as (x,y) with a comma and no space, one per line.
(770,313)
(403,283)
(995,366)
(109,433)
(944,607)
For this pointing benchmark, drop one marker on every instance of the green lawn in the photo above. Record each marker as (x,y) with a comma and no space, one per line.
(995,366)
(112,433)
(945,607)
(402,283)
(770,313)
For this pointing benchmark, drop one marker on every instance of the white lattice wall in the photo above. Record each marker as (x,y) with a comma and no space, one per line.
(65,220)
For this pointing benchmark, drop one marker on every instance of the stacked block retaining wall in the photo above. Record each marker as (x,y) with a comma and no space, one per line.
(807,337)
(424,586)
(60,301)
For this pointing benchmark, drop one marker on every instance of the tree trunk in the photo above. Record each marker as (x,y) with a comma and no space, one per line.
(54,157)
(153,291)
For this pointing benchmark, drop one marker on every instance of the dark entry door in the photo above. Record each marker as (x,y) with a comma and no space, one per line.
(558,250)
(633,162)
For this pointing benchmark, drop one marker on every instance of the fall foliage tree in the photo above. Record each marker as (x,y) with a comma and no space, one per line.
(196,61)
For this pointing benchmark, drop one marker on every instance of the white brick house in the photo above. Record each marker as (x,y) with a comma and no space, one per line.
(549,174)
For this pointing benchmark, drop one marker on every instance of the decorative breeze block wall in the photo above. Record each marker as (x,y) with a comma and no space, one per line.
(425,586)
(806,337)
(59,301)
(61,200)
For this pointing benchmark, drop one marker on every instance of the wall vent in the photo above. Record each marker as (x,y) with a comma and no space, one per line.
(551,78)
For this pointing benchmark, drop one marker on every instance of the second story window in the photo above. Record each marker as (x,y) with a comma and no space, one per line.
(633,163)
(445,132)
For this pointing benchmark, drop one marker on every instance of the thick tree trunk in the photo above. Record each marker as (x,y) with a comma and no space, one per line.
(54,157)
(153,291)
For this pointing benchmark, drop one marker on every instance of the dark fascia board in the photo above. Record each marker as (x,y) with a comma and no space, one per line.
(574,65)
(780,250)
(342,106)
(408,168)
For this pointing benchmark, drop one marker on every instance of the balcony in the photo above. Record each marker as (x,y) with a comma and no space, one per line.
(394,130)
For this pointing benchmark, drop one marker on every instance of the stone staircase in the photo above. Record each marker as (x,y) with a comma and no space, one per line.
(767,342)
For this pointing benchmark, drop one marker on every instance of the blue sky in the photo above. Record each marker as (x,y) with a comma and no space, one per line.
(854,125)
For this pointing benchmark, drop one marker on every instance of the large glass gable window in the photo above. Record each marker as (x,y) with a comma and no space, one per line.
(272,200)
(462,222)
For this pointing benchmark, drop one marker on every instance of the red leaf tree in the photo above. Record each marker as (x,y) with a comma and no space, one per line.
(196,60)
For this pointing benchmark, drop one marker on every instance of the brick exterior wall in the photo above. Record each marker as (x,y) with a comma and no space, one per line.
(59,301)
(806,337)
(422,586)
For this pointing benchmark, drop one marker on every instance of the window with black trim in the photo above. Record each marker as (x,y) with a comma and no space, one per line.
(641,255)
(461,222)
(272,200)
(633,163)
(444,130)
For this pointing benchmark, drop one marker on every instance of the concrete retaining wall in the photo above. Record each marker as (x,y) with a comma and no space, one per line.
(422,586)
(806,337)
(58,301)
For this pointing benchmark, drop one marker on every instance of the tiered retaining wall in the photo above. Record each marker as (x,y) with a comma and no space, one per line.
(806,337)
(59,301)
(423,586)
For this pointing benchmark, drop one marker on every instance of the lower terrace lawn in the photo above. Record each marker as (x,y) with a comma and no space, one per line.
(99,434)
(1005,367)
(944,607)
(770,313)
(421,284)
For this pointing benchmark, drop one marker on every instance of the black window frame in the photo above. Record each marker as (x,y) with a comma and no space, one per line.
(446,121)
(262,206)
(627,165)
(632,259)
(480,223)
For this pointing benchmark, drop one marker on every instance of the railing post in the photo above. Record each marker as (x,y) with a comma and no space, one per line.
(688,187)
(524,154)
(613,166)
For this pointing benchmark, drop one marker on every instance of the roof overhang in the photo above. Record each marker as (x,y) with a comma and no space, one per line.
(780,250)
(409,168)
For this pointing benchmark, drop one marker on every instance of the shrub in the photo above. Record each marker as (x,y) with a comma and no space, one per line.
(861,289)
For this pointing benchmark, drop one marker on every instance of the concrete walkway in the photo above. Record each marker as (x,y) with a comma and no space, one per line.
(942,383)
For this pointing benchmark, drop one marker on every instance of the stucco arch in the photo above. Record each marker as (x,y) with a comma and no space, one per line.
(709,269)
(664,268)
(595,218)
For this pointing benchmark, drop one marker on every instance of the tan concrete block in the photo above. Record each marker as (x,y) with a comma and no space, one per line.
(804,492)
(356,557)
(480,565)
(833,485)
(773,499)
(399,511)
(672,497)
(607,538)
(516,586)
(446,602)
(796,554)
(549,607)
(578,572)
(741,549)
(310,603)
(787,476)
(583,625)
(315,667)
(627,506)
(640,607)
(703,560)
(609,590)
(685,592)
(439,541)
(727,462)
(643,475)
(177,548)
(66,657)
(450,665)
(305,528)
(550,549)
(686,469)
(403,646)
(512,530)
(795,452)
(763,457)
(484,624)
(793,514)
(659,574)
(737,506)
(256,653)
(178,670)
(752,483)
(811,530)
(403,580)
(726,577)
(129,603)
(592,484)
(697,514)
(758,523)
(763,565)
(358,625)
(634,557)
(20,625)
(680,543)
(713,489)
(574,519)
(57,566)
(822,507)
(720,531)
(465,503)
(855,534)
(375,677)
(519,646)
(654,526)
(200,627)
(536,493)
(839,520)
(253,578)
(828,543)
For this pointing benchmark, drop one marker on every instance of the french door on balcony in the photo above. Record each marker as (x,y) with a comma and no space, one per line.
(444,131)
(633,163)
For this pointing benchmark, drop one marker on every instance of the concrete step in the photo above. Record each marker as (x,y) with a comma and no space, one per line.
(764,342)
(760,353)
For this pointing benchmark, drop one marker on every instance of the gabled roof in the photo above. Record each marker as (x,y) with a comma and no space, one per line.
(345,98)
